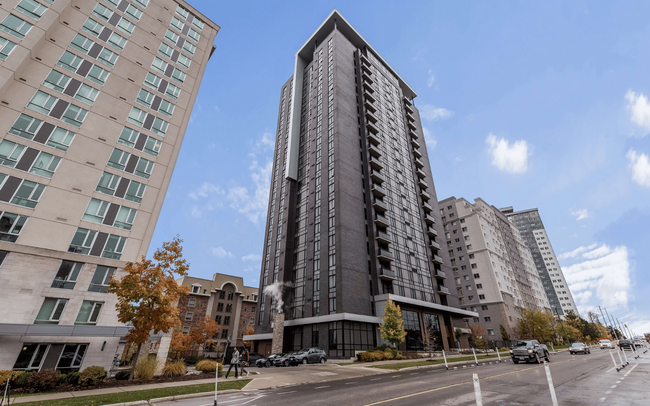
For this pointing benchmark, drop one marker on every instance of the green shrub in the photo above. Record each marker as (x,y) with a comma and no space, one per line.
(146,367)
(192,360)
(399,356)
(23,380)
(73,378)
(92,376)
(123,375)
(388,355)
(372,356)
(176,368)
(206,365)
(382,348)
(43,381)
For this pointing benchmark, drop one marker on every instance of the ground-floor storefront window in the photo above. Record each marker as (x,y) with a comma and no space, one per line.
(346,337)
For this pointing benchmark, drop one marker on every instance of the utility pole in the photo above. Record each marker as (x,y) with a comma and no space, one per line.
(616,330)
(561,324)
(605,320)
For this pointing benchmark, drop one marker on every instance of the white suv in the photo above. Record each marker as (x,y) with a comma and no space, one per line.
(605,344)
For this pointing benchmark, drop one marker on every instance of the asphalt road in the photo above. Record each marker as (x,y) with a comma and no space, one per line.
(578,380)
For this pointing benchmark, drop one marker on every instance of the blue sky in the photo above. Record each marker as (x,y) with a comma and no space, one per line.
(524,104)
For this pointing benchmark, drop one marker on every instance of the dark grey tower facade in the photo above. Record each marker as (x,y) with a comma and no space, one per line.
(353,216)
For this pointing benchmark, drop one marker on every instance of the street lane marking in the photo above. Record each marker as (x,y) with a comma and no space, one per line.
(618,381)
(414,373)
(459,384)
(322,387)
(350,383)
(602,399)
(284,393)
(610,370)
(613,386)
(376,379)
(608,392)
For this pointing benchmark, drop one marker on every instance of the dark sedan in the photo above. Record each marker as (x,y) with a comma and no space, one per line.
(267,361)
(625,344)
(579,347)
(286,360)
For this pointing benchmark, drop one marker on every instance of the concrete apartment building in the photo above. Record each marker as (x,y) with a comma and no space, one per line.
(493,270)
(353,217)
(95,99)
(530,226)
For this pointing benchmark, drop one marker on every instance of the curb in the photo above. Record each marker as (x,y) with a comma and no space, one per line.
(454,364)
(152,402)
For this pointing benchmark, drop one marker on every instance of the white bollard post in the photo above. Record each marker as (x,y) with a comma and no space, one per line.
(625,355)
(475,359)
(445,357)
(477,390)
(552,349)
(550,383)
(615,366)
(498,355)
(619,357)
(216,384)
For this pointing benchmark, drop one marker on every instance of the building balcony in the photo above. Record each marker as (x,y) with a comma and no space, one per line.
(383,237)
(409,116)
(425,195)
(372,128)
(376,176)
(419,163)
(365,75)
(371,117)
(434,245)
(368,96)
(367,86)
(374,138)
(375,163)
(386,274)
(413,134)
(411,125)
(415,143)
(364,60)
(378,190)
(443,290)
(421,173)
(437,260)
(432,231)
(422,184)
(429,219)
(384,255)
(379,205)
(417,153)
(374,150)
(406,101)
(440,274)
(381,220)
(366,68)
(427,207)
(369,106)
(408,108)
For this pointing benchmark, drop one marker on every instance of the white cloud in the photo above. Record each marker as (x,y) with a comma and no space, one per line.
(577,251)
(640,165)
(428,138)
(221,253)
(431,113)
(196,213)
(267,139)
(513,159)
(251,257)
(580,214)
(431,80)
(254,205)
(639,108)
(205,190)
(605,273)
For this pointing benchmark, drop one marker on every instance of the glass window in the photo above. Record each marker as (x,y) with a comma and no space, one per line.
(115,3)
(10,226)
(184,61)
(126,26)
(6,47)
(81,43)
(66,276)
(92,27)
(152,81)
(42,102)
(15,26)
(159,126)
(102,275)
(51,311)
(178,76)
(86,94)
(135,192)
(28,194)
(10,153)
(192,34)
(69,61)
(31,357)
(171,36)
(166,108)
(72,356)
(56,81)
(118,159)
(102,12)
(31,9)
(74,115)
(108,183)
(98,75)
(114,247)
(173,91)
(152,147)
(60,139)
(89,313)
(165,50)
(96,211)
(134,12)
(182,12)
(145,98)
(117,41)
(45,165)
(189,47)
(144,168)
(125,217)
(128,137)
(25,126)
(82,241)
(137,116)
(198,24)
(176,23)
(143,3)
(159,65)
(107,57)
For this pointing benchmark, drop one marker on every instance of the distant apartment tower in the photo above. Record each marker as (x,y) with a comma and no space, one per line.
(353,218)
(96,97)
(532,230)
(493,270)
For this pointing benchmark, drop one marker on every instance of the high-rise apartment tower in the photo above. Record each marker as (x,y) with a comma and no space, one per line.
(353,217)
(493,270)
(532,230)
(96,97)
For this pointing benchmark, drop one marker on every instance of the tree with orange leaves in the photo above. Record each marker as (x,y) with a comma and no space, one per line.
(203,333)
(147,293)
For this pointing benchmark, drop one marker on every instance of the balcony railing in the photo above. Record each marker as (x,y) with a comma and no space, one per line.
(415,143)
(422,184)
(437,259)
(376,176)
(432,231)
(429,219)
(387,274)
(434,244)
(441,274)
(417,153)
(375,163)
(381,220)
(443,290)
(427,207)
(379,205)
(419,163)
(384,255)
(425,195)
(378,190)
(371,127)
(371,117)
(421,173)
(369,106)
(383,237)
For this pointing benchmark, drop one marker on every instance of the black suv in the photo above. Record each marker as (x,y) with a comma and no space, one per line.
(310,356)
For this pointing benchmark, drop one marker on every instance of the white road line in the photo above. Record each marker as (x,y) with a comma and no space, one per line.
(618,381)
(376,379)
(350,383)
(395,376)
(610,370)
(322,387)
(628,372)
(613,386)
(608,392)
(284,393)
(414,373)
(602,399)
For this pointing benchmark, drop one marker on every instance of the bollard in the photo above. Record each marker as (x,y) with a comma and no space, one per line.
(619,357)
(477,390)
(475,359)
(625,355)
(445,357)
(552,349)
(550,383)
(216,383)
(615,366)
(498,355)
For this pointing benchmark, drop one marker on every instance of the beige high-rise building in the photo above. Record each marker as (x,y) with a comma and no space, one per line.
(95,100)
(493,270)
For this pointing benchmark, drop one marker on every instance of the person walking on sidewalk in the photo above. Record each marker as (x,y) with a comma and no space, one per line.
(245,360)
(234,362)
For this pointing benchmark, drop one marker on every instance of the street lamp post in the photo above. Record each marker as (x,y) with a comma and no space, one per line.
(561,324)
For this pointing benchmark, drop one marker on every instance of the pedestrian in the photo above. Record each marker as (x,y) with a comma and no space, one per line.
(234,362)
(245,360)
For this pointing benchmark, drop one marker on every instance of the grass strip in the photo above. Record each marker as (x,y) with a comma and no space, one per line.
(121,397)
(401,365)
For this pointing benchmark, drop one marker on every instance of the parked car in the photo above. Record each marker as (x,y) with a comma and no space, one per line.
(575,348)
(605,344)
(253,357)
(623,344)
(286,360)
(637,342)
(267,361)
(311,356)
(529,350)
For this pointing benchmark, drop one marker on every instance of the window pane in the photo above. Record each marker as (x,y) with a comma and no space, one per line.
(15,26)
(67,275)
(108,183)
(31,9)
(45,165)
(10,153)
(6,47)
(128,137)
(60,139)
(28,194)
(135,192)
